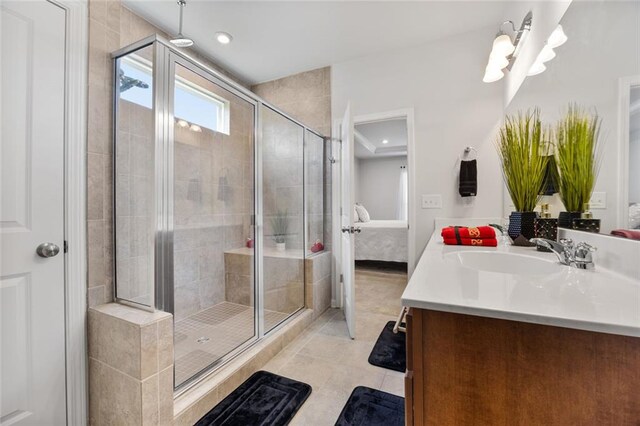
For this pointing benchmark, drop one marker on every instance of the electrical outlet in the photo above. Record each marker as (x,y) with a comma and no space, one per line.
(598,200)
(432,201)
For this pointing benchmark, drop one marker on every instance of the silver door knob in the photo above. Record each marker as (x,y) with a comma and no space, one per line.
(47,250)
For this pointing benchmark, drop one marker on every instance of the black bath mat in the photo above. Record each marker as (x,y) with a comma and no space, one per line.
(371,407)
(263,399)
(390,350)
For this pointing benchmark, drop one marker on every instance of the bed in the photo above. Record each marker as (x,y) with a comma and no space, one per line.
(382,240)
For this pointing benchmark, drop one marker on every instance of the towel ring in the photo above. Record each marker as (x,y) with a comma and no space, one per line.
(467,151)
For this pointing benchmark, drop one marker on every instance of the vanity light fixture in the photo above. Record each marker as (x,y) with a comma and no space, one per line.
(504,50)
(195,128)
(556,39)
(182,123)
(223,38)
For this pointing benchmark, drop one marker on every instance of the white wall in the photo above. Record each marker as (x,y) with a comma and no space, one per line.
(634,170)
(603,45)
(378,181)
(442,82)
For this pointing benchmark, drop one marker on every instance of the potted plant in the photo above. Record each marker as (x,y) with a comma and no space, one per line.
(578,161)
(279,227)
(521,148)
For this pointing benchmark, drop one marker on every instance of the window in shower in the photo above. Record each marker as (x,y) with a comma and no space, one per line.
(213,208)
(195,107)
(283,212)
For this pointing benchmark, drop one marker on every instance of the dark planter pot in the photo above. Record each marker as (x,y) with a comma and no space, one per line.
(565,219)
(522,223)
(588,225)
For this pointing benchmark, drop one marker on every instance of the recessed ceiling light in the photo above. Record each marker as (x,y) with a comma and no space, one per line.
(223,38)
(385,141)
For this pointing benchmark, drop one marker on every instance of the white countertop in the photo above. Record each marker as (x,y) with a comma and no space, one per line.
(596,300)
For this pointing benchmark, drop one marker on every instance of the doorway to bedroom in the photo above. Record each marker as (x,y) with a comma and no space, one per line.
(381,195)
(374,182)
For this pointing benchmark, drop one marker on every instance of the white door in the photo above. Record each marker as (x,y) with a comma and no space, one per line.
(347,224)
(32,322)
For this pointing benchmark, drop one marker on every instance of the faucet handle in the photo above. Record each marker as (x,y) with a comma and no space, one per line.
(567,242)
(586,247)
(583,257)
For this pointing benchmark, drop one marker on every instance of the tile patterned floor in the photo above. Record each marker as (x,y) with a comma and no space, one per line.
(206,336)
(326,358)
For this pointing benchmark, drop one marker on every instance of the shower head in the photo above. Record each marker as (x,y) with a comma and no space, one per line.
(180,40)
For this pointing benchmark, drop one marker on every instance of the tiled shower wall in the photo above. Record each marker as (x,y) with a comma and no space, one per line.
(213,204)
(307,98)
(111,26)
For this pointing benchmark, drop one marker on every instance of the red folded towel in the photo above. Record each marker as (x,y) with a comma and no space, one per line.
(626,233)
(464,232)
(485,242)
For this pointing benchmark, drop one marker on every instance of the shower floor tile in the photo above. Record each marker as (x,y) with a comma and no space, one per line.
(206,336)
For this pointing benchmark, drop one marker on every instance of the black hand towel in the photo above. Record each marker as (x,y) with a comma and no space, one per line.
(468,178)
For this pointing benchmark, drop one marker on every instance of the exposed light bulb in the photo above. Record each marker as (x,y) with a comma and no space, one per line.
(502,46)
(492,73)
(546,54)
(182,123)
(195,128)
(536,68)
(557,37)
(223,38)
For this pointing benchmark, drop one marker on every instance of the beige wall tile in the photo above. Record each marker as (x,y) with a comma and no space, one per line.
(115,342)
(115,398)
(150,396)
(165,343)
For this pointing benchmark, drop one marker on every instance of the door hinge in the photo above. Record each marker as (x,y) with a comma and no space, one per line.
(65,247)
(341,278)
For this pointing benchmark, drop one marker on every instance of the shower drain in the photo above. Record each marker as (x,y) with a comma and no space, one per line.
(203,339)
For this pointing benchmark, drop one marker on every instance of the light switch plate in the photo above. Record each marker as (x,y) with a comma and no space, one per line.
(432,201)
(598,200)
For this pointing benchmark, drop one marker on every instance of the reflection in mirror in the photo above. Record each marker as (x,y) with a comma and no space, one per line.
(602,50)
(634,158)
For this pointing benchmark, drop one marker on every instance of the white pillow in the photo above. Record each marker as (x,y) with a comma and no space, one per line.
(356,217)
(363,214)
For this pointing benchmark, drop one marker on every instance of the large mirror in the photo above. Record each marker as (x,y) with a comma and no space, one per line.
(598,69)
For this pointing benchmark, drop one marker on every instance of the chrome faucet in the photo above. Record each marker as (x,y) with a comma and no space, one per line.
(579,256)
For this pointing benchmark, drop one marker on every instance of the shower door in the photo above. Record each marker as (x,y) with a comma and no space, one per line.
(211,129)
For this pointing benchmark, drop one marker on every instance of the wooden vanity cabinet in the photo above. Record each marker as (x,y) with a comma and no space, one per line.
(470,370)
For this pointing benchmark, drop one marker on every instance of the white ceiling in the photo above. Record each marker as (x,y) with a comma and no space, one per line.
(276,39)
(369,137)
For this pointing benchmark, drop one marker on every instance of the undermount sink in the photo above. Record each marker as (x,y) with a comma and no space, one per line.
(505,263)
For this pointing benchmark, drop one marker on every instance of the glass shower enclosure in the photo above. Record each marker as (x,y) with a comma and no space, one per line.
(215,205)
